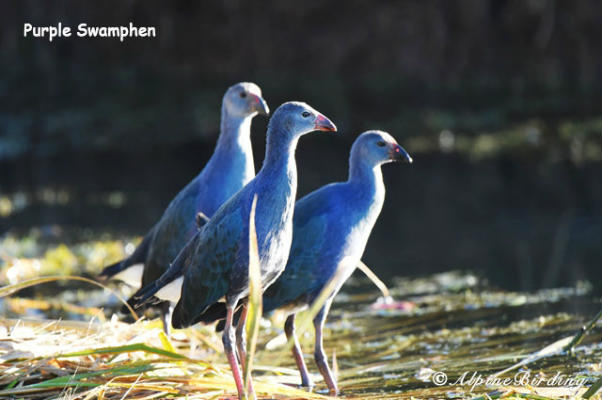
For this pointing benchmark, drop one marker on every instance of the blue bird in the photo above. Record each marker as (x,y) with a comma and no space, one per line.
(331,227)
(214,264)
(227,171)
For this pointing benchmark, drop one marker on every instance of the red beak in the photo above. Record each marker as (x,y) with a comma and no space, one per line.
(260,105)
(324,124)
(399,154)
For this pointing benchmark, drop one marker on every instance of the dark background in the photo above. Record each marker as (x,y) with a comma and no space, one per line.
(98,135)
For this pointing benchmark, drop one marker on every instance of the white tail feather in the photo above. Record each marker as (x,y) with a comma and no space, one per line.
(131,275)
(172,291)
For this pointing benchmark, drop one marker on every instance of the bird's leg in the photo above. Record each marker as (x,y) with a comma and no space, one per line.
(241,336)
(228,339)
(166,312)
(241,343)
(289,329)
(319,354)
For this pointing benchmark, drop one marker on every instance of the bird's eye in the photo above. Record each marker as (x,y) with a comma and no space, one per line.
(243,94)
(380,143)
(305,114)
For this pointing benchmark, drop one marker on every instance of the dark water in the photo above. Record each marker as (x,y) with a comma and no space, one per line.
(519,221)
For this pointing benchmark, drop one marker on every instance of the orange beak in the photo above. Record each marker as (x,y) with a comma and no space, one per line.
(324,124)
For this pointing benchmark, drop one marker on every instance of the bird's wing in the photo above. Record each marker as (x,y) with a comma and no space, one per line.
(174,229)
(175,270)
(137,257)
(208,270)
(303,273)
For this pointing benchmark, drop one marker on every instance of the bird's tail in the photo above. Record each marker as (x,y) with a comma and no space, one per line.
(138,257)
(214,312)
(114,269)
(175,270)
(140,308)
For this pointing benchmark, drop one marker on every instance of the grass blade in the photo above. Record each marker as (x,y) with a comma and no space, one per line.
(78,380)
(167,345)
(126,349)
(559,346)
(375,279)
(10,289)
(550,350)
(255,296)
(593,389)
(584,329)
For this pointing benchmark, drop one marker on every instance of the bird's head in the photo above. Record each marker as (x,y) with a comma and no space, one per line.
(244,100)
(299,118)
(378,147)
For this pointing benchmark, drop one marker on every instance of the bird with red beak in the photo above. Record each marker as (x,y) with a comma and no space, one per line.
(230,168)
(331,228)
(215,263)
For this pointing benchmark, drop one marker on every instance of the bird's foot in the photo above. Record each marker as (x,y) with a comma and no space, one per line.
(307,383)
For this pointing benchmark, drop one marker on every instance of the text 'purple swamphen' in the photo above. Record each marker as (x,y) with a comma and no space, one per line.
(215,263)
(331,227)
(227,171)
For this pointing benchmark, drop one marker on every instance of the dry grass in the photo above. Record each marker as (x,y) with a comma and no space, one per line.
(71,360)
(381,352)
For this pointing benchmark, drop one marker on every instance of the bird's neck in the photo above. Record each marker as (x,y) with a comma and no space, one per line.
(367,194)
(278,175)
(235,136)
(276,185)
(280,152)
(368,177)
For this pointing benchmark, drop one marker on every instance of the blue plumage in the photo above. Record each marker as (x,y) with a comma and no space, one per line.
(228,170)
(334,222)
(214,264)
(331,228)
